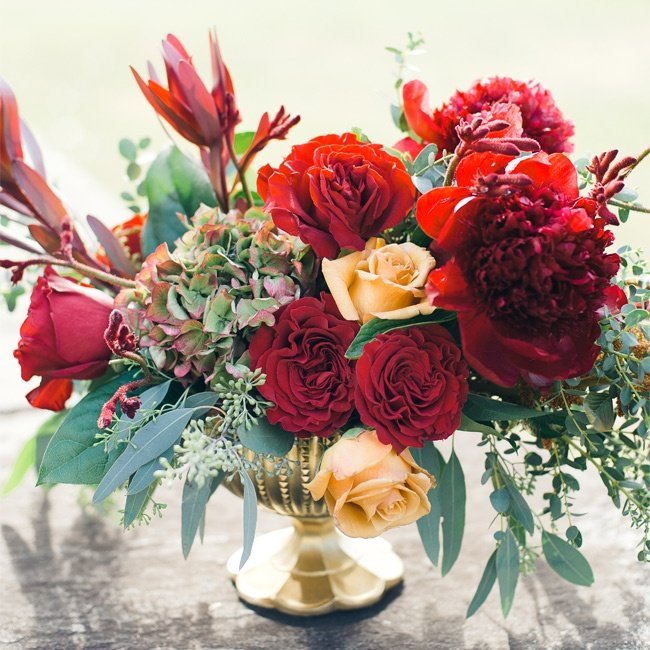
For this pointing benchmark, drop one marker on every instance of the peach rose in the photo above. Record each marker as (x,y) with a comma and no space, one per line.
(368,488)
(383,281)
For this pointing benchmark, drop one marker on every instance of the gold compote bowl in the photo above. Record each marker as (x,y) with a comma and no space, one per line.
(309,568)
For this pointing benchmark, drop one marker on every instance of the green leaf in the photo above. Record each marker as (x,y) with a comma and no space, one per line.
(266,438)
(452,499)
(519,507)
(250,516)
(152,440)
(73,455)
(482,408)
(600,411)
(135,504)
(24,461)
(174,184)
(507,565)
(193,506)
(151,398)
(144,477)
(243,141)
(484,586)
(500,500)
(566,561)
(127,149)
(207,398)
(467,424)
(377,326)
(430,459)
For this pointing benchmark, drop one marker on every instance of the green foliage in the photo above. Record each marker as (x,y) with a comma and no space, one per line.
(373,328)
(266,438)
(484,586)
(73,455)
(250,516)
(430,459)
(566,560)
(31,453)
(452,500)
(507,567)
(195,500)
(131,152)
(149,443)
(174,185)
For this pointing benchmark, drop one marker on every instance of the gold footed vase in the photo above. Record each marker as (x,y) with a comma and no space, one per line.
(309,568)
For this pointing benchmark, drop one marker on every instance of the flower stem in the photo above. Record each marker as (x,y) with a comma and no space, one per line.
(241,174)
(639,158)
(451,170)
(629,206)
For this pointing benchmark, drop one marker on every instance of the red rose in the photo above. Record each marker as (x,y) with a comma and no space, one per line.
(335,192)
(527,270)
(411,386)
(542,120)
(62,338)
(308,377)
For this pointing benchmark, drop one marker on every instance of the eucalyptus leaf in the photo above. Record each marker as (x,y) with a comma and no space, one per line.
(266,438)
(250,516)
(376,326)
(144,477)
(195,499)
(152,440)
(566,560)
(452,499)
(135,504)
(507,565)
(467,424)
(482,408)
(484,586)
(73,455)
(500,500)
(430,459)
(519,507)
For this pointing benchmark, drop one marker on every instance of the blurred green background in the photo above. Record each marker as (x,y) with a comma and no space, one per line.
(68,64)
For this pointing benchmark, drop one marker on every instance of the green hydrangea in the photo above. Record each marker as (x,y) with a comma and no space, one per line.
(195,307)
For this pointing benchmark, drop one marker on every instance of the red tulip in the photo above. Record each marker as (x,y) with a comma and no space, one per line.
(62,338)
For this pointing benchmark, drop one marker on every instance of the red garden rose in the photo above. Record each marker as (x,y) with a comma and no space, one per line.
(335,192)
(541,119)
(527,269)
(62,338)
(308,377)
(411,386)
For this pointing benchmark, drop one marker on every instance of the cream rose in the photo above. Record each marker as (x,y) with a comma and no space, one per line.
(383,281)
(368,488)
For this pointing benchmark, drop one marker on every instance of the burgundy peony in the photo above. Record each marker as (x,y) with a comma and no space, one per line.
(335,192)
(541,119)
(308,377)
(411,386)
(62,338)
(527,269)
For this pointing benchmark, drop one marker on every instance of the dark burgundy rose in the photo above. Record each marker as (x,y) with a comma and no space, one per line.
(63,338)
(308,378)
(335,192)
(411,386)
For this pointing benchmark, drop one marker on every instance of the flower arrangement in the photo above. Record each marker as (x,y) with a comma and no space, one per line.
(378,298)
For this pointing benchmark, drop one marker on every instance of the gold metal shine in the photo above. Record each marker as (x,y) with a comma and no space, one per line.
(310,568)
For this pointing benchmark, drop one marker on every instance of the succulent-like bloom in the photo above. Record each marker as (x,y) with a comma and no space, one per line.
(193,308)
(527,268)
(541,119)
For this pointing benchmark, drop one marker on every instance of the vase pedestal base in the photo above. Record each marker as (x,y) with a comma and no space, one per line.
(311,569)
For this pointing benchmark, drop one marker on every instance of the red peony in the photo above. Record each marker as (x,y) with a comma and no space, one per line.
(308,378)
(335,192)
(541,119)
(527,269)
(62,338)
(411,386)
